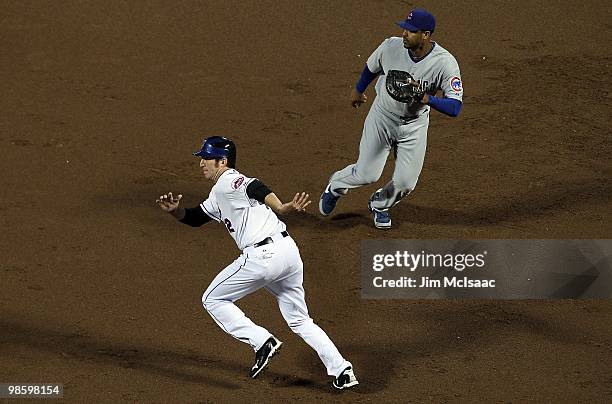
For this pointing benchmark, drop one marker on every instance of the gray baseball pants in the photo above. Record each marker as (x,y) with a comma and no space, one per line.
(382,132)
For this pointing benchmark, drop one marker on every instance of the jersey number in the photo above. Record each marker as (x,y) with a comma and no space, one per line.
(228,224)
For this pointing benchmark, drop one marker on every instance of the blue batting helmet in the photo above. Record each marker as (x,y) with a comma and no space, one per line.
(217,147)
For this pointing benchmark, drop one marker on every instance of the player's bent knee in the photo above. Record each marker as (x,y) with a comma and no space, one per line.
(297,324)
(213,307)
(370,177)
(209,303)
(367,177)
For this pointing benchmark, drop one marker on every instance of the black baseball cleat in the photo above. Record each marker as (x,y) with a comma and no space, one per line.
(346,379)
(264,354)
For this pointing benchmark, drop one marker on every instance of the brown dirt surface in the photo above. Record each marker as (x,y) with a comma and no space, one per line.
(103,102)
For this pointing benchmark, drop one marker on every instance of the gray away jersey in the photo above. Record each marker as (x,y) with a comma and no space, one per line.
(438,70)
(246,220)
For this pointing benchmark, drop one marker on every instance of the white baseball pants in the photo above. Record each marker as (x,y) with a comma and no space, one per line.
(381,133)
(277,267)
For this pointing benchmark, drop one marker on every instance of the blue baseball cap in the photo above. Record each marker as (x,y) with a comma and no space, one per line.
(419,19)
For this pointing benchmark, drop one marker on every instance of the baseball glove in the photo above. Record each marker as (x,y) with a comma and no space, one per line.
(401,88)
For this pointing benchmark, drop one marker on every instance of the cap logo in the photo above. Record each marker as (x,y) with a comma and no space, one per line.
(456,84)
(237,182)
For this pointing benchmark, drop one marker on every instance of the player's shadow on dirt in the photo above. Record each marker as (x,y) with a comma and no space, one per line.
(460,330)
(185,367)
(340,221)
(466,326)
(563,198)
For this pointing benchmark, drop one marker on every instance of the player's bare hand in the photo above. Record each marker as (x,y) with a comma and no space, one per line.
(300,202)
(168,202)
(358,98)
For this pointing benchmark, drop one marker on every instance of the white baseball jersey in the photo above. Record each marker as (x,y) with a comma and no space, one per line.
(246,220)
(275,266)
(438,70)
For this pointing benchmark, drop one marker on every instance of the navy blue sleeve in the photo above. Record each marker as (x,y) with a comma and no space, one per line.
(195,217)
(366,78)
(448,106)
(258,191)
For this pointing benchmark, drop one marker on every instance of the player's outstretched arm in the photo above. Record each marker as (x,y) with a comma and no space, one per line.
(298,204)
(170,204)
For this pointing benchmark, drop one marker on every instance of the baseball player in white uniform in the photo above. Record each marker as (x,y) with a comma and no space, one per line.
(270,259)
(394,125)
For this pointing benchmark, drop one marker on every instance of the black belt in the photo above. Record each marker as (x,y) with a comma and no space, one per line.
(269,240)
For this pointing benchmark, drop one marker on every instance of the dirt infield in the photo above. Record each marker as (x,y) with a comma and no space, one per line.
(103,102)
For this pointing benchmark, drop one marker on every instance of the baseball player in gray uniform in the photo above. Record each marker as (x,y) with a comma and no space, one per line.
(395,122)
(270,259)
